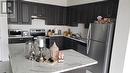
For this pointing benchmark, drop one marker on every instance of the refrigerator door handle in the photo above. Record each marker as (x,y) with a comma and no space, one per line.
(89,38)
(88,46)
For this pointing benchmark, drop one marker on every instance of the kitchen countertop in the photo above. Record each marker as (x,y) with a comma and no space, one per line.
(79,40)
(83,40)
(73,60)
(11,37)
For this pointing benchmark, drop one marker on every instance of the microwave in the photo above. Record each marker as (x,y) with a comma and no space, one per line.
(15,32)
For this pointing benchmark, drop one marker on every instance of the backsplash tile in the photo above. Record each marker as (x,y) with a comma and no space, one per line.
(40,24)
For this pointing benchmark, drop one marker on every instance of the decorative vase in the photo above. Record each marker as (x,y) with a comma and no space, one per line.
(54,51)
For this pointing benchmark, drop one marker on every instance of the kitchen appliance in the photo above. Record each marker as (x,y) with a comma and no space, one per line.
(15,32)
(99,46)
(25,33)
(37,32)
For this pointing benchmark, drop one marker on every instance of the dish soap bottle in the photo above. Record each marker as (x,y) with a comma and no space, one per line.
(54,51)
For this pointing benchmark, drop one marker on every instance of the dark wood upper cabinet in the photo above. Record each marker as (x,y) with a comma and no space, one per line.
(50,15)
(56,15)
(13,18)
(59,15)
(26,16)
(34,9)
(21,13)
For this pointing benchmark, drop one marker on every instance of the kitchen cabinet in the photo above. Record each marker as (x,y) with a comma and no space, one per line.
(38,9)
(19,40)
(72,16)
(34,9)
(63,43)
(13,18)
(87,13)
(50,15)
(67,43)
(56,15)
(59,15)
(75,45)
(5,67)
(26,16)
(41,10)
(81,48)
(58,40)
(21,13)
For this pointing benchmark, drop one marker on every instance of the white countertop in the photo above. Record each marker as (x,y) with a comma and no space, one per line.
(73,60)
(20,37)
(79,40)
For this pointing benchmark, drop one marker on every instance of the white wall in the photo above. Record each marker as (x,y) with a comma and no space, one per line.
(0,45)
(121,37)
(77,2)
(53,2)
(127,57)
(4,35)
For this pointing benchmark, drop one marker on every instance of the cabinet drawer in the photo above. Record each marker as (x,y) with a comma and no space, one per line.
(19,40)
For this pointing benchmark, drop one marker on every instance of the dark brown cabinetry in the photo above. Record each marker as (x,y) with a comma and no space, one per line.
(38,9)
(87,13)
(56,15)
(21,13)
(58,40)
(19,40)
(26,16)
(13,18)
(59,15)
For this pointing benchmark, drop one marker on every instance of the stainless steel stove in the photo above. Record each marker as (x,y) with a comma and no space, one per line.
(37,32)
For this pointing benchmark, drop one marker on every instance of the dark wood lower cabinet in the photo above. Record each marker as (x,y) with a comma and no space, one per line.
(19,40)
(66,43)
(58,40)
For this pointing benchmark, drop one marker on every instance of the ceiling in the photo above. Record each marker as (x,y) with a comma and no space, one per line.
(64,2)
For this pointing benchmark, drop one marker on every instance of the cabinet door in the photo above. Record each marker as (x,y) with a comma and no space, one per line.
(33,9)
(13,18)
(64,15)
(41,10)
(68,15)
(67,43)
(57,14)
(19,40)
(81,48)
(26,17)
(58,41)
(50,15)
(74,16)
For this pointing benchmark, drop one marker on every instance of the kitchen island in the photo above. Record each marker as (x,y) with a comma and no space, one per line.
(72,61)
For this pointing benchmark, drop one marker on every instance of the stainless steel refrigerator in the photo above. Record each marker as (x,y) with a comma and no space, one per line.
(99,46)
